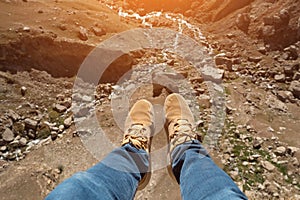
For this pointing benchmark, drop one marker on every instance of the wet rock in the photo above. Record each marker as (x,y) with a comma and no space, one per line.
(280,151)
(23,90)
(59,108)
(279,77)
(8,135)
(268,166)
(30,124)
(295,88)
(83,34)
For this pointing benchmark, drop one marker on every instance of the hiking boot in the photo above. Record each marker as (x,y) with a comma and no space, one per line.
(138,132)
(179,121)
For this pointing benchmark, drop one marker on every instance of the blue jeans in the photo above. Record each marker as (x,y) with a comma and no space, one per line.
(117,176)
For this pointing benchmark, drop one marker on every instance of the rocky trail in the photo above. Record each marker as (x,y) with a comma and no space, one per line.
(71,71)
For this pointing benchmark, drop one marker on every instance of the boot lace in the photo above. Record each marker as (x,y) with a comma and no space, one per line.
(137,136)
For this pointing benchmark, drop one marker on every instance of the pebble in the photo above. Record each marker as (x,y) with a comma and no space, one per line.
(23,90)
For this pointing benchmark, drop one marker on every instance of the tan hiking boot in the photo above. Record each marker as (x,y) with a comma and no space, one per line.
(179,121)
(139,125)
(138,131)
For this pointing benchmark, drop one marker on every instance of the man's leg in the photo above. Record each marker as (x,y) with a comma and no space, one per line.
(115,177)
(122,171)
(199,177)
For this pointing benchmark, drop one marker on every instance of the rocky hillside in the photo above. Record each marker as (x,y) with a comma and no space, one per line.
(246,97)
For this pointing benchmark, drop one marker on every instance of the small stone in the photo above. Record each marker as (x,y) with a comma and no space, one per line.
(279,77)
(258,142)
(23,141)
(292,52)
(30,124)
(98,31)
(280,151)
(60,108)
(295,88)
(292,150)
(3,148)
(68,121)
(83,34)
(26,28)
(8,135)
(54,135)
(61,128)
(268,166)
(23,90)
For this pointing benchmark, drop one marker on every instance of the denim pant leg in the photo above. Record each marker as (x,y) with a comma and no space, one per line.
(115,177)
(199,177)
